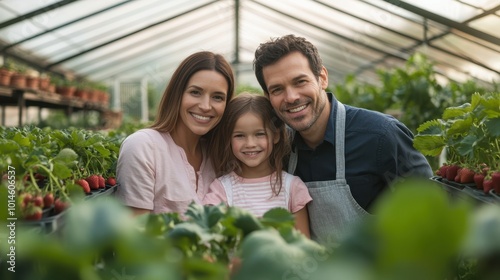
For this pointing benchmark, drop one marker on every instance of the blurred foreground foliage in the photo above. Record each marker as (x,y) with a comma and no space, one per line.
(417,232)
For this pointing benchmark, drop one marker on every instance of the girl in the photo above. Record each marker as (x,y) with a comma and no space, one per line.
(251,146)
(165,167)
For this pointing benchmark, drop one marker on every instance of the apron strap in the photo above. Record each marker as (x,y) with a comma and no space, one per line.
(226,183)
(339,145)
(340,141)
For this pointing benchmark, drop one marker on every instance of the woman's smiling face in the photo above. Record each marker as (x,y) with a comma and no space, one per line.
(203,102)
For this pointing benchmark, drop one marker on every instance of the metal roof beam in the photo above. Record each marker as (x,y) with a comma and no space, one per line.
(485,13)
(128,35)
(369,21)
(35,13)
(62,25)
(333,33)
(429,42)
(445,21)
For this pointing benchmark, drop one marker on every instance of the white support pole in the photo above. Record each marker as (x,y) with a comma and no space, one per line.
(116,95)
(144,100)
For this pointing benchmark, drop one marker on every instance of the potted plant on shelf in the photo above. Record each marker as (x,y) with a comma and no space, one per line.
(44,81)
(64,87)
(18,79)
(82,90)
(6,72)
(470,133)
(102,89)
(32,80)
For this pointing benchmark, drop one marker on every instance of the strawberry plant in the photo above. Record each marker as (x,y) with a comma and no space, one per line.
(51,164)
(470,133)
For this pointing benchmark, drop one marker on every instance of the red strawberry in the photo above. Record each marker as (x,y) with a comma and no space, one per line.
(93,181)
(478,179)
(48,200)
(60,205)
(38,201)
(487,185)
(33,214)
(102,182)
(466,176)
(111,181)
(442,171)
(495,177)
(25,199)
(84,184)
(451,172)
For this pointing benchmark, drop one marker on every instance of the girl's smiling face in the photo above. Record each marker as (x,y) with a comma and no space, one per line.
(252,144)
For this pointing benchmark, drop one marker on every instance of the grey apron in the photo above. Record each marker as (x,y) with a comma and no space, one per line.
(333,209)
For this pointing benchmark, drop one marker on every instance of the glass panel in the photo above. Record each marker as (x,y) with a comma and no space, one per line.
(488,24)
(447,8)
(485,4)
(16,8)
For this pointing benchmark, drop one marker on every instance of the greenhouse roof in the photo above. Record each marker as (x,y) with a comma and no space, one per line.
(124,39)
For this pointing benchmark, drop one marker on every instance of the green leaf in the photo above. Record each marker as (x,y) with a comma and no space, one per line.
(493,126)
(266,255)
(21,140)
(244,220)
(95,224)
(66,156)
(102,150)
(186,235)
(456,112)
(204,215)
(475,100)
(465,146)
(458,127)
(61,171)
(202,269)
(278,217)
(155,225)
(429,145)
(78,138)
(421,231)
(484,238)
(433,127)
(74,191)
(8,146)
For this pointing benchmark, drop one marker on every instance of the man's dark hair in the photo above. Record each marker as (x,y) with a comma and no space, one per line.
(270,52)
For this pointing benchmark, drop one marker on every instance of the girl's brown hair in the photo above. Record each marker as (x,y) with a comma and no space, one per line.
(222,156)
(168,110)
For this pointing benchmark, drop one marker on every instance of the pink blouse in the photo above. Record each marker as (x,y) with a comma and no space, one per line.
(154,174)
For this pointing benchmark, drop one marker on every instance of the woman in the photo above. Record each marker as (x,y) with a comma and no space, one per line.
(165,167)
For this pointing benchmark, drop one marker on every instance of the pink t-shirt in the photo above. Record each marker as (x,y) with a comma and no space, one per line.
(154,174)
(256,195)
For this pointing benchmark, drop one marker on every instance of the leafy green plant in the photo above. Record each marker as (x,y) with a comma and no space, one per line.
(469,132)
(49,163)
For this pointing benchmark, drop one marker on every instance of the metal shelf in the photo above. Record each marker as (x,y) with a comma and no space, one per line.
(25,97)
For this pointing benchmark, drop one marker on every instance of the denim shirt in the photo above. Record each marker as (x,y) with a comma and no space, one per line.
(378,149)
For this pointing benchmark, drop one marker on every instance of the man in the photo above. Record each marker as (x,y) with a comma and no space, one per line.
(347,156)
